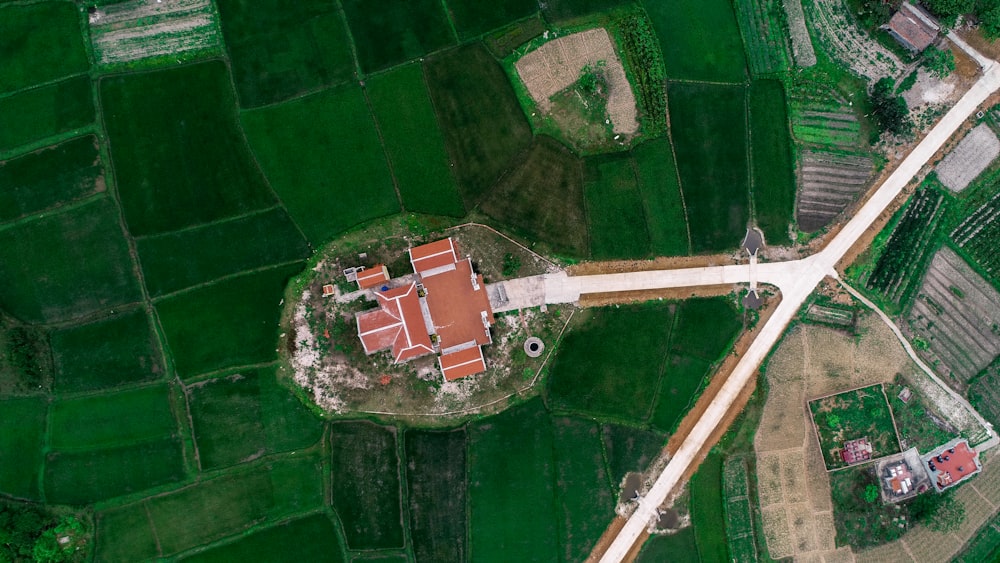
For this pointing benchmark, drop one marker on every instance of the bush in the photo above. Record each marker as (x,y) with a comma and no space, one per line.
(890,111)
(511,265)
(645,60)
(939,61)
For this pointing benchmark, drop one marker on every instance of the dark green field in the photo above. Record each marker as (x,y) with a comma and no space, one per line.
(771,153)
(708,126)
(415,146)
(230,323)
(250,404)
(124,535)
(614,209)
(66,264)
(543,198)
(473,17)
(224,248)
(512,495)
(34,53)
(436,475)
(22,437)
(630,449)
(398,31)
(114,351)
(42,112)
(562,10)
(111,420)
(707,516)
(280,49)
(705,327)
(483,125)
(661,195)
(312,538)
(700,40)
(582,487)
(680,547)
(365,488)
(49,178)
(323,157)
(180,160)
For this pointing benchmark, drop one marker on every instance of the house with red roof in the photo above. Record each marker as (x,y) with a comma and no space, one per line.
(951,464)
(913,28)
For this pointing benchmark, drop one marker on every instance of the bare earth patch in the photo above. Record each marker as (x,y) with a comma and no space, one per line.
(142,29)
(972,155)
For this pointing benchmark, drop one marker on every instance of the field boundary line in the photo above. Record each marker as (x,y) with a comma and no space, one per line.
(231,219)
(60,210)
(385,150)
(712,82)
(152,527)
(521,246)
(209,376)
(134,386)
(358,73)
(47,83)
(986,500)
(224,278)
(677,175)
(751,185)
(892,417)
(48,142)
(451,22)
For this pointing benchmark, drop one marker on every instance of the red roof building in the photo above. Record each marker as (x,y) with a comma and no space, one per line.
(468,361)
(435,257)
(912,28)
(952,463)
(856,451)
(372,277)
(398,324)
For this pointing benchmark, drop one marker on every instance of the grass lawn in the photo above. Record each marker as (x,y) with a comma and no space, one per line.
(474,17)
(437,496)
(771,160)
(661,197)
(223,248)
(398,31)
(33,53)
(112,419)
(280,49)
(180,160)
(708,127)
(118,350)
(22,437)
(402,107)
(483,125)
(542,199)
(585,498)
(862,413)
(323,157)
(312,538)
(700,40)
(49,178)
(614,209)
(630,449)
(66,265)
(230,323)
(33,115)
(366,484)
(512,502)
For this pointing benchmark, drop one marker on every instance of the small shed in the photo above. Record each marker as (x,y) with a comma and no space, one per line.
(913,28)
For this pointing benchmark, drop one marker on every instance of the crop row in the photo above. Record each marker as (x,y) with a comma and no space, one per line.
(766,48)
(978,234)
(907,246)
(646,62)
(739,518)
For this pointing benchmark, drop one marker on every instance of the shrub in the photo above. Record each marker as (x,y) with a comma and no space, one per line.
(890,111)
(939,61)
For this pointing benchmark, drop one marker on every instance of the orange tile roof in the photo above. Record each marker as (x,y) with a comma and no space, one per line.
(462,363)
(433,255)
(397,324)
(916,32)
(372,277)
(458,305)
(959,464)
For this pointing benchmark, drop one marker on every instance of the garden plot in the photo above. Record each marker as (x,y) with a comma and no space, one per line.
(972,155)
(763,35)
(825,123)
(862,413)
(957,314)
(847,43)
(142,29)
(556,65)
(828,183)
(802,47)
(978,233)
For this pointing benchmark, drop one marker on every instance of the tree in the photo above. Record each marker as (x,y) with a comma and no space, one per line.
(833,421)
(889,110)
(939,61)
(871,493)
(948,10)
(989,22)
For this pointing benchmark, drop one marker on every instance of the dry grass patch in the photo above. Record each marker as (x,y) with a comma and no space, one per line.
(769,479)
(793,474)
(968,160)
(803,527)
(888,553)
(776,532)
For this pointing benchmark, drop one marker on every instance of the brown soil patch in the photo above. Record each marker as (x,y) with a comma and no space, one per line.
(662,263)
(975,38)
(615,297)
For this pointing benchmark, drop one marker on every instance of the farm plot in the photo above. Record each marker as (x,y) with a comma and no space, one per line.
(614,209)
(311,538)
(563,11)
(773,183)
(679,547)
(739,517)
(956,313)
(700,40)
(977,234)
(113,419)
(503,41)
(918,424)
(659,185)
(828,183)
(253,405)
(708,124)
(862,413)
(34,53)
(542,199)
(131,539)
(180,160)
(118,350)
(984,393)
(366,489)
(66,265)
(630,449)
(824,118)
(32,115)
(763,36)
(229,323)
(483,125)
(279,49)
(400,30)
(170,30)
(707,509)
(438,493)
(50,178)
(22,437)
(323,157)
(25,358)
(966,161)
(473,18)
(413,142)
(225,247)
(847,42)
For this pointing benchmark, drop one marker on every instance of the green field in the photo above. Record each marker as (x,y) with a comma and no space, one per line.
(22,437)
(738,511)
(473,17)
(111,419)
(862,413)
(630,449)
(398,31)
(230,323)
(542,199)
(66,264)
(707,516)
(511,490)
(771,161)
(366,487)
(661,196)
(483,125)
(705,328)
(124,535)
(708,126)
(323,157)
(280,49)
(180,160)
(582,489)
(558,11)
(33,53)
(250,404)
(224,248)
(415,146)
(437,494)
(49,178)
(39,113)
(700,40)
(615,209)
(679,547)
(312,538)
(115,351)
